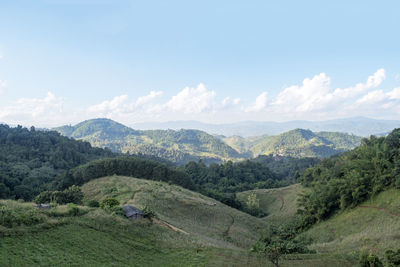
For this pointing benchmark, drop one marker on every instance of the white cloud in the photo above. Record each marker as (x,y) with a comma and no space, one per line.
(229,102)
(315,95)
(148,98)
(107,107)
(259,104)
(28,111)
(192,100)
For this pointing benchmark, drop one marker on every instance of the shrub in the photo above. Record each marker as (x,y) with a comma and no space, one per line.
(93,203)
(73,210)
(108,203)
(72,194)
(393,258)
(369,259)
(149,213)
(15,216)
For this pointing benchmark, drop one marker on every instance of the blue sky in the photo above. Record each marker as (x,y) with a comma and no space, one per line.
(214,61)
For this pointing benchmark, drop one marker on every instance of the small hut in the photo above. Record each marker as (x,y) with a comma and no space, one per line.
(132,212)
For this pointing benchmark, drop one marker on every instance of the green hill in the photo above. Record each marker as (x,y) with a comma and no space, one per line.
(29,159)
(374,225)
(280,204)
(218,225)
(178,146)
(297,143)
(190,231)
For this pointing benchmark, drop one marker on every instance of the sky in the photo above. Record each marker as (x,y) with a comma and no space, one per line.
(64,61)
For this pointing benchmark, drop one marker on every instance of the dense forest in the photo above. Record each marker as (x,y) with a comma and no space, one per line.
(29,159)
(346,180)
(178,146)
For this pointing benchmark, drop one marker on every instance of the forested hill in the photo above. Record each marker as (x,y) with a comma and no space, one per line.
(178,146)
(29,159)
(297,143)
(345,181)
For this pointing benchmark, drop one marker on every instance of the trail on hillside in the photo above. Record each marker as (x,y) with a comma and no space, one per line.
(167,225)
(381,209)
(282,201)
(226,233)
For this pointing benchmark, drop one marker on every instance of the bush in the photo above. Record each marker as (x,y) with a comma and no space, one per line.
(93,203)
(393,258)
(15,216)
(149,213)
(369,259)
(73,210)
(108,203)
(72,194)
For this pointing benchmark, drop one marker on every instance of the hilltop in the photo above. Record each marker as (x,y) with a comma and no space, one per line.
(297,143)
(182,146)
(178,146)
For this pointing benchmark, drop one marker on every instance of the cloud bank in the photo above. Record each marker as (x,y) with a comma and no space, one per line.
(313,98)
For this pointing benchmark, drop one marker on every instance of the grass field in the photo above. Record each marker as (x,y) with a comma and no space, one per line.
(210,236)
(365,226)
(279,203)
(219,225)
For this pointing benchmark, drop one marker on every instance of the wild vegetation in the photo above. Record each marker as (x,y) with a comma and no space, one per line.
(178,146)
(346,181)
(30,159)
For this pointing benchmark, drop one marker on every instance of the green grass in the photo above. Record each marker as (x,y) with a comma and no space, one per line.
(279,203)
(219,225)
(354,229)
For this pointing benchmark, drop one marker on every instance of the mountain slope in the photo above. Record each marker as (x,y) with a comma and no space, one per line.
(179,146)
(297,143)
(218,225)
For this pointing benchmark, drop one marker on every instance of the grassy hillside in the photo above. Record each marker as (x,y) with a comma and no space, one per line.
(93,237)
(191,212)
(279,203)
(375,225)
(178,146)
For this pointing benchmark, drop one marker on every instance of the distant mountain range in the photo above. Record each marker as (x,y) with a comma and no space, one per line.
(183,145)
(358,125)
(178,146)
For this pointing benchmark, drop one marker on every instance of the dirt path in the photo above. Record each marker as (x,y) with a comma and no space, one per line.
(226,233)
(167,225)
(381,209)
(282,201)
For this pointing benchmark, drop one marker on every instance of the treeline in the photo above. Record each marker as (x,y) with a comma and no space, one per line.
(30,159)
(347,180)
(127,166)
(286,167)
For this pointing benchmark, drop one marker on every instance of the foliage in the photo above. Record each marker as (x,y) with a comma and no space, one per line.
(73,194)
(369,259)
(108,203)
(177,146)
(347,180)
(15,215)
(73,209)
(287,168)
(149,212)
(280,240)
(129,166)
(393,257)
(30,159)
(305,143)
(93,203)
